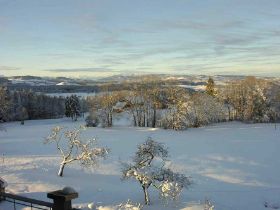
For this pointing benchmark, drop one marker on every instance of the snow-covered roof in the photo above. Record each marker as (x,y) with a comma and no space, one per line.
(120,105)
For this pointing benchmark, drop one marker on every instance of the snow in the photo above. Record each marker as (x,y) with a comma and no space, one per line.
(66,83)
(68,190)
(79,94)
(194,87)
(236,166)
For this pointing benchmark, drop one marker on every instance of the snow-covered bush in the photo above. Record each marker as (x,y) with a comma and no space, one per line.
(208,205)
(92,120)
(76,149)
(130,206)
(149,169)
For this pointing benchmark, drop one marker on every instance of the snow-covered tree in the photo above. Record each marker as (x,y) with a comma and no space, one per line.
(175,114)
(75,149)
(72,107)
(273,99)
(149,169)
(204,109)
(247,99)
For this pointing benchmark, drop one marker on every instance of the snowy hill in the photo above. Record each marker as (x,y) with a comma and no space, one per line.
(234,165)
(32,82)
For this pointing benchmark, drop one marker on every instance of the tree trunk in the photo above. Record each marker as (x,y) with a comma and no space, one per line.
(154,118)
(134,119)
(229,114)
(60,172)
(147,199)
(111,119)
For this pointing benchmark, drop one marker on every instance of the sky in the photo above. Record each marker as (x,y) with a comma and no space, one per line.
(98,38)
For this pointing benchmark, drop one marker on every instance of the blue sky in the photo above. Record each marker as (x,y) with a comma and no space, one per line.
(90,38)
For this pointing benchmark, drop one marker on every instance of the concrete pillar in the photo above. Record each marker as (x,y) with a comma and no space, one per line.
(62,199)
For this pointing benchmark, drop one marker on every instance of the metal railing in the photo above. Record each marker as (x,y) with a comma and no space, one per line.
(24,201)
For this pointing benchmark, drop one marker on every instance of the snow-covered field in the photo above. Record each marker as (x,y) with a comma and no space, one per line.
(236,166)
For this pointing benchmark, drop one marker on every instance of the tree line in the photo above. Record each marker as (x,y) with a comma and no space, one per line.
(150,104)
(28,105)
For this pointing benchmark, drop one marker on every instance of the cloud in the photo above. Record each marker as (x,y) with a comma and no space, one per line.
(92,70)
(196,25)
(103,70)
(9,68)
(111,38)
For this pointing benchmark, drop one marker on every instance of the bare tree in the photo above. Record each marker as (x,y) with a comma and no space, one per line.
(149,169)
(76,150)
(22,114)
(145,101)
(152,94)
(247,99)
(273,99)
(137,109)
(103,106)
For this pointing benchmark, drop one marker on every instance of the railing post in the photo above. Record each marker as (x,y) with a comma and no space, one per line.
(3,185)
(2,190)
(62,199)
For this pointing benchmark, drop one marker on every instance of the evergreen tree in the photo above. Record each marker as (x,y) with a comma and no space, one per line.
(72,107)
(4,104)
(210,87)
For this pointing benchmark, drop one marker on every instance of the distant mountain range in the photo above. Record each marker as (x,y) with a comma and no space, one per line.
(116,79)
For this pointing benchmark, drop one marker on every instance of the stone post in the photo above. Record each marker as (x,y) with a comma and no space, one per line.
(62,199)
(2,190)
